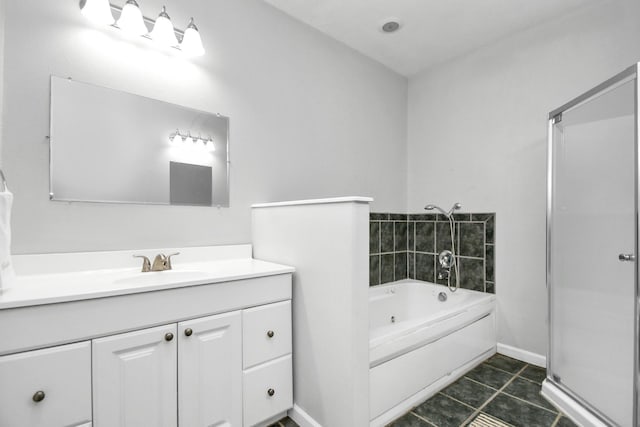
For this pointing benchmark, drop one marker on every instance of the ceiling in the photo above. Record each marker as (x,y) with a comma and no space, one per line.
(431,32)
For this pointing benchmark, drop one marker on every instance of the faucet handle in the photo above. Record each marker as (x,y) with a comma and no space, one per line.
(168,260)
(146,264)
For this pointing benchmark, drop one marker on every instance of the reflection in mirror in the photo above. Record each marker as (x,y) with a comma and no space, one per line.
(112,146)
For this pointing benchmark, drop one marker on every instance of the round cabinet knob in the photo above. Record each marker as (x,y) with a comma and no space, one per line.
(168,336)
(271,392)
(270,334)
(38,396)
(188,332)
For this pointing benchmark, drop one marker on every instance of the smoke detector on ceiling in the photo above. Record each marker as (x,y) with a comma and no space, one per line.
(390,26)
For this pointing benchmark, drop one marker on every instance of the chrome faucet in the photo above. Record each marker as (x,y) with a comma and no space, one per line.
(161,262)
(445,259)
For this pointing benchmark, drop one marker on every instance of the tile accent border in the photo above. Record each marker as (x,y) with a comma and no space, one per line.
(406,246)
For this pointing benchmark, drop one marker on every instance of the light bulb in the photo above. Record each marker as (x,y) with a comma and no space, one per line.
(191,42)
(210,145)
(173,138)
(98,12)
(163,31)
(131,20)
(188,140)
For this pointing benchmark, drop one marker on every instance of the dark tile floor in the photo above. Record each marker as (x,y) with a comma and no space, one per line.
(285,422)
(499,392)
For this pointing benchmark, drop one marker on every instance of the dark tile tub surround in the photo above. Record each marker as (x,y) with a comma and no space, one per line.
(405,246)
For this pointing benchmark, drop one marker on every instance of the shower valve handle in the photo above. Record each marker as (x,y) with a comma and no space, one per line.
(627,257)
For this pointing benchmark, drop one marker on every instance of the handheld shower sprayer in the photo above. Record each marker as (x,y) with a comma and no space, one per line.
(455,207)
(449,215)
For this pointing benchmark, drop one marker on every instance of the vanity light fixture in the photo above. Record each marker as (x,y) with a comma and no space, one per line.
(133,22)
(190,141)
(98,12)
(163,31)
(191,42)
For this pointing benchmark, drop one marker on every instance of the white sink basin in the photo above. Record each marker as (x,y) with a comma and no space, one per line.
(160,277)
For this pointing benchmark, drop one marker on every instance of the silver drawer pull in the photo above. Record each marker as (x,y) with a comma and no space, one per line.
(270,334)
(271,392)
(627,257)
(38,396)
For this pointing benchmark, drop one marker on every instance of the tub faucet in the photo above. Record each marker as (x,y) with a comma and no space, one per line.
(445,259)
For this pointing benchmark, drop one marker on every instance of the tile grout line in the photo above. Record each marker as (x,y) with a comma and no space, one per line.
(530,380)
(484,258)
(422,418)
(528,401)
(478,382)
(380,256)
(493,396)
(557,420)
(507,372)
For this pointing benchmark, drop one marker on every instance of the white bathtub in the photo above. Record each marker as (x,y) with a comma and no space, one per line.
(419,344)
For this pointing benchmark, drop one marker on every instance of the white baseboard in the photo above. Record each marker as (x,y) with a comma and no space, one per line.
(523,355)
(301,417)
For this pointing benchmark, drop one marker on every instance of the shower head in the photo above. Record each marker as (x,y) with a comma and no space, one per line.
(455,207)
(432,207)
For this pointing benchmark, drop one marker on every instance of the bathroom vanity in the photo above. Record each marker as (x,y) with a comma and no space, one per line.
(206,343)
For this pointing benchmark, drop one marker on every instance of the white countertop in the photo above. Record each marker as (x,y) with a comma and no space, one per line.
(347,199)
(64,286)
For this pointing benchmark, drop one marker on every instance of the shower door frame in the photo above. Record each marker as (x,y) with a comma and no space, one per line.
(626,76)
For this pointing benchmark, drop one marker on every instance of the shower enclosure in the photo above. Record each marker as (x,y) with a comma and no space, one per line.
(592,247)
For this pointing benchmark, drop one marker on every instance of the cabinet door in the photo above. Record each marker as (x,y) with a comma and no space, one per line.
(46,387)
(134,379)
(210,371)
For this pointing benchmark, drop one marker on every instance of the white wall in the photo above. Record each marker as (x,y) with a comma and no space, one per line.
(309,118)
(2,14)
(477,134)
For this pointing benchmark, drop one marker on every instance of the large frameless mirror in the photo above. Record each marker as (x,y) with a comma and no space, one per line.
(116,147)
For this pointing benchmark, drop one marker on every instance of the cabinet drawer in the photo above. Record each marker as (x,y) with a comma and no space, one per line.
(62,378)
(266,333)
(268,390)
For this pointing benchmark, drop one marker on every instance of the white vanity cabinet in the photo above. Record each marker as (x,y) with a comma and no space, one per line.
(49,387)
(189,356)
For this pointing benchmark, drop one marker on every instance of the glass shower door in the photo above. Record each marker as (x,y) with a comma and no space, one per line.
(592,243)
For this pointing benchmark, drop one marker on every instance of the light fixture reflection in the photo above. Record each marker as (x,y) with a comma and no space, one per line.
(98,12)
(163,31)
(131,20)
(186,140)
(191,42)
(175,138)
